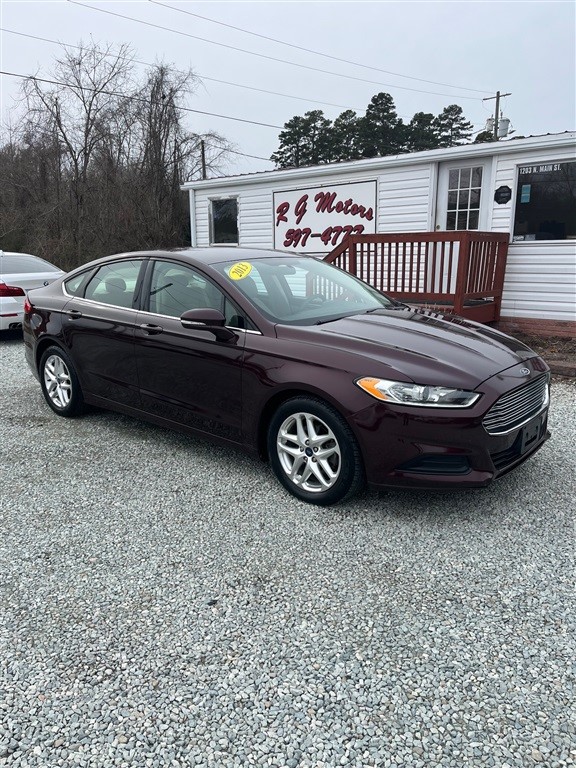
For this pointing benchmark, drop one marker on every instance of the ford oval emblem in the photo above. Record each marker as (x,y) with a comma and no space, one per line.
(525,371)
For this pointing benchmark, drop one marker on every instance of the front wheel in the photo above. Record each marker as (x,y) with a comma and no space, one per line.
(313,452)
(60,385)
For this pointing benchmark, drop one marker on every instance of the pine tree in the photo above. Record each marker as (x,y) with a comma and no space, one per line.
(345,137)
(452,128)
(421,132)
(304,141)
(381,132)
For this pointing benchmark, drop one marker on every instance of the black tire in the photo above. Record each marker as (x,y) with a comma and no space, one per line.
(313,452)
(59,381)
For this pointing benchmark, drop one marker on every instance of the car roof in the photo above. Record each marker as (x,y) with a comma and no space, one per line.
(201,256)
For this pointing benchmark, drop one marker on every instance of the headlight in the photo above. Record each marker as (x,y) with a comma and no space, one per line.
(417,394)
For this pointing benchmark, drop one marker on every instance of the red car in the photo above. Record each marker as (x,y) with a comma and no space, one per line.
(292,359)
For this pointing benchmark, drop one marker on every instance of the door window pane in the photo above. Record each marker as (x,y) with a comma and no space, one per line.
(114,284)
(464,199)
(477,176)
(473,220)
(175,288)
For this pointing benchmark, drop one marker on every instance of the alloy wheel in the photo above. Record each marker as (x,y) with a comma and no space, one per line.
(309,452)
(58,381)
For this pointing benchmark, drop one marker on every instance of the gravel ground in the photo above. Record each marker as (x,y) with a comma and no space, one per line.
(165,603)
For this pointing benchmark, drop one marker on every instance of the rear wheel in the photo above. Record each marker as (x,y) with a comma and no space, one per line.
(313,452)
(60,384)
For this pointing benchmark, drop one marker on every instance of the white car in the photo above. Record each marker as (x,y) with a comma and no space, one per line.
(19,272)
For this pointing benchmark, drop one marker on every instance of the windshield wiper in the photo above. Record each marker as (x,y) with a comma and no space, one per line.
(330,320)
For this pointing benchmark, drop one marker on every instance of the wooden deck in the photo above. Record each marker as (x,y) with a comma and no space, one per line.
(456,272)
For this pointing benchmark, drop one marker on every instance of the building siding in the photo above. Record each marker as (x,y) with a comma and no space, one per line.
(404,199)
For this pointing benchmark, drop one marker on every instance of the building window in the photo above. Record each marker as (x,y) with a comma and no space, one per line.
(224,220)
(546,202)
(464,185)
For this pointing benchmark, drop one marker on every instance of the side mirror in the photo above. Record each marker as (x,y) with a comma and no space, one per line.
(207,319)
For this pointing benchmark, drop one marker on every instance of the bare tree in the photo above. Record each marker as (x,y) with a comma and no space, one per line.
(90,88)
(98,159)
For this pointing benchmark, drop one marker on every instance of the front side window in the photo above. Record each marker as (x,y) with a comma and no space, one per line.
(176,288)
(224,221)
(114,284)
(464,187)
(546,202)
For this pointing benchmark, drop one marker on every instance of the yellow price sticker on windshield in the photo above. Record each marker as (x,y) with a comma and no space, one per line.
(240,270)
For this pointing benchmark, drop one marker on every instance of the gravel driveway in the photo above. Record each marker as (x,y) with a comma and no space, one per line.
(166,603)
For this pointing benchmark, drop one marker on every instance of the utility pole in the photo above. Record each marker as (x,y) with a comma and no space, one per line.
(203,156)
(497,110)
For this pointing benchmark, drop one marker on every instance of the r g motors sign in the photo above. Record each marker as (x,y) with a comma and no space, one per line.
(317,219)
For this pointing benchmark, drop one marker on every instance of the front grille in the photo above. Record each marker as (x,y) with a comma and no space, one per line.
(515,408)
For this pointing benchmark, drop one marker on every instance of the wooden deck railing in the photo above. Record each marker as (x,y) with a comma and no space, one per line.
(458,272)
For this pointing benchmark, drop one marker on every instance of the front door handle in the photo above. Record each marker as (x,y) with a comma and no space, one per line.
(150,329)
(74,314)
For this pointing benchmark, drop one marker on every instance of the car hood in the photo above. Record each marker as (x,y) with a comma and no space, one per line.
(426,347)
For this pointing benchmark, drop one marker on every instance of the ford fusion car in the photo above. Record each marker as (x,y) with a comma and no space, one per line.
(293,359)
(19,272)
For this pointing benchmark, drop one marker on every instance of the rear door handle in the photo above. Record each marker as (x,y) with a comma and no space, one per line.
(150,329)
(74,314)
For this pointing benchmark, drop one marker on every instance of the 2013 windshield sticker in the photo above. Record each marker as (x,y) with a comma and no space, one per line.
(240,270)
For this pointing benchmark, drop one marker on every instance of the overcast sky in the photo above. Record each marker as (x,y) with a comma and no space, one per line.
(427,55)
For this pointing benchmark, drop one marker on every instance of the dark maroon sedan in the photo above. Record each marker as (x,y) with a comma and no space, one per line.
(293,359)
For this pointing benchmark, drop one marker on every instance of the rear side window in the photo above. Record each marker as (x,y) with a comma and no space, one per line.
(114,284)
(74,286)
(22,263)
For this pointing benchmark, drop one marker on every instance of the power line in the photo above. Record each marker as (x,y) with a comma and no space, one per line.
(318,53)
(268,58)
(147,101)
(202,77)
(235,152)
(136,98)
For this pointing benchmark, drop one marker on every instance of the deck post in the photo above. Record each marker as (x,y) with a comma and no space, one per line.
(462,272)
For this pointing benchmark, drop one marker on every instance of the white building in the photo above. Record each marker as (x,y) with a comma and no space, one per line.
(523,187)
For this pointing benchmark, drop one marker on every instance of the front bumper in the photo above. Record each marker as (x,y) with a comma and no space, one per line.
(448,448)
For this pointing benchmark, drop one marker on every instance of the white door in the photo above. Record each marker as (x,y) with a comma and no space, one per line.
(462,197)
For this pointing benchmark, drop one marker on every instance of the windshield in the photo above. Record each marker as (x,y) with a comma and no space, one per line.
(302,290)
